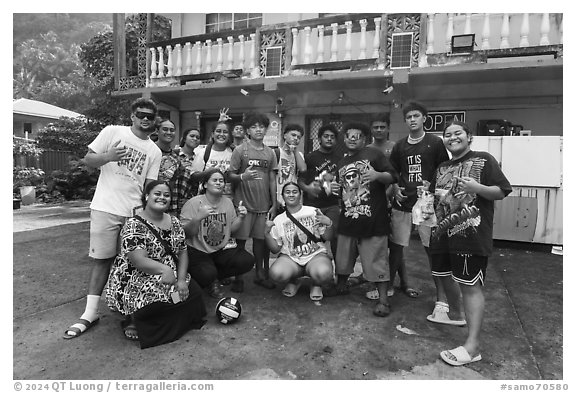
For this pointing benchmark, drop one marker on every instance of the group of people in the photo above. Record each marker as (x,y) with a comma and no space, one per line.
(320,213)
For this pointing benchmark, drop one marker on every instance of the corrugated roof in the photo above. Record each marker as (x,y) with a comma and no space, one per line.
(24,106)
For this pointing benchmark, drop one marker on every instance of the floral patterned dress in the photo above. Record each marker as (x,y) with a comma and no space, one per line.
(130,289)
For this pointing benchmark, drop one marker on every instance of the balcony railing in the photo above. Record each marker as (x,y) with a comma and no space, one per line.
(341,40)
(322,40)
(494,31)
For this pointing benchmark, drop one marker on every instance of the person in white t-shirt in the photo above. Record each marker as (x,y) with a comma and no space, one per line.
(127,159)
(298,236)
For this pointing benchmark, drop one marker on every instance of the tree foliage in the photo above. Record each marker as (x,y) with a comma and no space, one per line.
(67,60)
(67,134)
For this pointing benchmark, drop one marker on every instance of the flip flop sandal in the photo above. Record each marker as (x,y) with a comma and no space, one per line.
(440,315)
(79,328)
(291,289)
(459,357)
(356,280)
(131,333)
(381,310)
(373,294)
(410,292)
(316,293)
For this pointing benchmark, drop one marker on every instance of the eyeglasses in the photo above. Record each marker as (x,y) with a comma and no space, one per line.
(142,115)
(351,176)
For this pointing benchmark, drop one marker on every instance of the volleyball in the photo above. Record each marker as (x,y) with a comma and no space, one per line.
(228,310)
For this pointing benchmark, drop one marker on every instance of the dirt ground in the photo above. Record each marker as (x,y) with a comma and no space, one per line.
(278,337)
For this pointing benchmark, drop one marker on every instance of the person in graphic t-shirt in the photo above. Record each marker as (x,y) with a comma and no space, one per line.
(363,176)
(465,189)
(320,172)
(210,221)
(301,253)
(416,158)
(128,159)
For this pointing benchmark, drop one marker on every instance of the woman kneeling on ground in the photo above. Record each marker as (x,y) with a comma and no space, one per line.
(297,235)
(148,281)
(209,220)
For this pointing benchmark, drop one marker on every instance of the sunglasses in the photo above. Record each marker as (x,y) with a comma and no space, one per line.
(142,115)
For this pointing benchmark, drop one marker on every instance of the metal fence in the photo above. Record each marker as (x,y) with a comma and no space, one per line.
(48,161)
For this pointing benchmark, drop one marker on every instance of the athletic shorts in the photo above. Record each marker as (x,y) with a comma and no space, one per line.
(401,228)
(252,227)
(373,252)
(464,269)
(104,234)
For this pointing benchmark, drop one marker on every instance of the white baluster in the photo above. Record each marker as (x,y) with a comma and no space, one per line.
(307,46)
(320,49)
(524,30)
(254,58)
(468,24)
(230,52)
(169,73)
(363,23)
(188,59)
(505,32)
(334,44)
(294,47)
(348,54)
(153,64)
(486,32)
(545,29)
(208,64)
(178,70)
(430,35)
(160,62)
(219,57)
(449,32)
(198,69)
(376,46)
(241,52)
(562,30)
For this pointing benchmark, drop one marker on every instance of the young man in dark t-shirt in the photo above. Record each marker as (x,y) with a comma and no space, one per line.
(416,158)
(320,172)
(364,225)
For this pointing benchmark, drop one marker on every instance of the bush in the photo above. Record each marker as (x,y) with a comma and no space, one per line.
(66,134)
(77,182)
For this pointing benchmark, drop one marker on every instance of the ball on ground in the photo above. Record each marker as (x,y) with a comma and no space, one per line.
(228,310)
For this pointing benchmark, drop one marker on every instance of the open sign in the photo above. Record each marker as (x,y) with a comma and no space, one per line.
(436,121)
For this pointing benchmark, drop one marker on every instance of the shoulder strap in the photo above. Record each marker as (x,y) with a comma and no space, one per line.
(302,227)
(165,244)
(207,152)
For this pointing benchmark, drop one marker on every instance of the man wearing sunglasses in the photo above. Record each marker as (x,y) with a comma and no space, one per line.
(362,177)
(127,159)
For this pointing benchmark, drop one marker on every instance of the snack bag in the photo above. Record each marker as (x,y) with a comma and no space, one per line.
(423,210)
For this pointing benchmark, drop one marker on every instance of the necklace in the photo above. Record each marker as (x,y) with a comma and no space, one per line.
(413,141)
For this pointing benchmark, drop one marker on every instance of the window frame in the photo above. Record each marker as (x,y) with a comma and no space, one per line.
(235,22)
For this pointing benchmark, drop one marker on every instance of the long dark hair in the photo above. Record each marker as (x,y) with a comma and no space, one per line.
(186,132)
